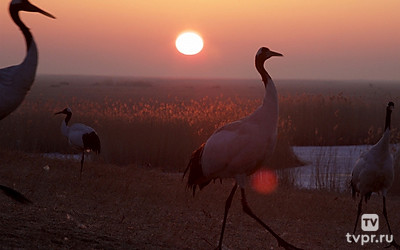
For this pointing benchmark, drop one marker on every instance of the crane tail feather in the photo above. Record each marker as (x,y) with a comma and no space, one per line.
(92,141)
(196,175)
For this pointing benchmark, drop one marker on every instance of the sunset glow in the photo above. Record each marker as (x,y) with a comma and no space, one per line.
(124,38)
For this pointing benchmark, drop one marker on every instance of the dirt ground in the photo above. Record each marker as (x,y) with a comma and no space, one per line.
(134,207)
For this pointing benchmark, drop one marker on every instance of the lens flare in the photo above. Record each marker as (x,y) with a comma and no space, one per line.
(264,181)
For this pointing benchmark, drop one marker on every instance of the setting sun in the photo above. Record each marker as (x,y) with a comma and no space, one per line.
(189,43)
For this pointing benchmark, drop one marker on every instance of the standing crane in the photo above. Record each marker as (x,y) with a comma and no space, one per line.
(80,136)
(238,149)
(373,171)
(15,81)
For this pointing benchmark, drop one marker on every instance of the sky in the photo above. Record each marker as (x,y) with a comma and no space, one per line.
(335,40)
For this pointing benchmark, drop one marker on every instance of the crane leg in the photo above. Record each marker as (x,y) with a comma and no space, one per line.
(83,158)
(393,243)
(247,210)
(385,214)
(358,213)
(15,195)
(227,206)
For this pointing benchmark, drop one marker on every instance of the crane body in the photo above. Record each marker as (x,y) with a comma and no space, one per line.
(16,81)
(80,136)
(238,149)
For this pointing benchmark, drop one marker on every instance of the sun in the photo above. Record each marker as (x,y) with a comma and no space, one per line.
(189,43)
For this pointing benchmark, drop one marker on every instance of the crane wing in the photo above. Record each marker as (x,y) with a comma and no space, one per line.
(10,96)
(372,174)
(7,74)
(236,148)
(76,132)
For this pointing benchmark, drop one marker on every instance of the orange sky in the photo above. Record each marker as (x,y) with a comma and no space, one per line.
(343,39)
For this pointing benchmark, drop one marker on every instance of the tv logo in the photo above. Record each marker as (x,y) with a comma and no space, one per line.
(369,222)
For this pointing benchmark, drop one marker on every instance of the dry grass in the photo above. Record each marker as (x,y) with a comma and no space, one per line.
(160,122)
(134,207)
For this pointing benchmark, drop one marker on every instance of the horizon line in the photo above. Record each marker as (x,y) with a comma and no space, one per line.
(216,78)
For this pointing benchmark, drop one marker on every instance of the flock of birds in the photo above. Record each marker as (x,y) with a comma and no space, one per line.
(235,150)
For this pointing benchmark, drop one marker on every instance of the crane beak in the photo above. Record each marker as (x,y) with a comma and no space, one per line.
(273,53)
(61,112)
(32,8)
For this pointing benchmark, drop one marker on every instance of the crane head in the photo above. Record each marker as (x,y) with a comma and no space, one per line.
(264,53)
(65,111)
(25,5)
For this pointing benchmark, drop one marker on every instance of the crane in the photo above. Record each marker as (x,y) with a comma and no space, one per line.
(238,149)
(373,171)
(15,81)
(80,136)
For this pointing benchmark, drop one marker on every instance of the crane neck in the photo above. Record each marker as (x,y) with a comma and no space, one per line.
(383,143)
(271,96)
(64,125)
(25,30)
(264,74)
(388,118)
(67,118)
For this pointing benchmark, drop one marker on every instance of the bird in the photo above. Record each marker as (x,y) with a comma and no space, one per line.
(374,171)
(80,137)
(15,81)
(238,149)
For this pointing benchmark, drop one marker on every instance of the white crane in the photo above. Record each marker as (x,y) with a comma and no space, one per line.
(373,171)
(238,149)
(80,136)
(15,81)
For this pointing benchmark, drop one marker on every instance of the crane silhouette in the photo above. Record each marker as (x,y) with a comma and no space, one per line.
(80,137)
(373,171)
(238,149)
(15,81)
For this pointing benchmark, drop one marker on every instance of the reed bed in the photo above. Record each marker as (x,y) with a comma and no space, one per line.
(159,124)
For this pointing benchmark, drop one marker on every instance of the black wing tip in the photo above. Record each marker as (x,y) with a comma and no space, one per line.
(92,141)
(15,195)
